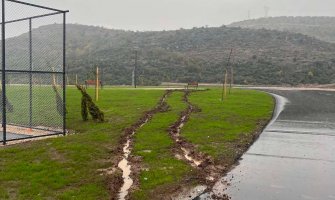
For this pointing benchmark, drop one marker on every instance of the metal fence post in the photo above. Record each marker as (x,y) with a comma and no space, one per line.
(30,74)
(135,69)
(3,37)
(64,73)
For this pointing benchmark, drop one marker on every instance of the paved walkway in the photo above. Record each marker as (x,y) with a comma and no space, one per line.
(295,156)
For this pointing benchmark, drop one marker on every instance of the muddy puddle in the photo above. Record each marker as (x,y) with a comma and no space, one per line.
(185,150)
(125,164)
(189,158)
(126,171)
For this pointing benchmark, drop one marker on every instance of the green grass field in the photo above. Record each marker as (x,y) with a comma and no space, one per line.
(154,145)
(220,127)
(43,98)
(67,167)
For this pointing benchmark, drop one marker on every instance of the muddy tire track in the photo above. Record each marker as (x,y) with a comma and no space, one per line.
(208,171)
(123,176)
(240,149)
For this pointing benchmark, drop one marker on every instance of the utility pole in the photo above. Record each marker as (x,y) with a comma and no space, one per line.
(224,82)
(102,79)
(231,79)
(135,70)
(232,74)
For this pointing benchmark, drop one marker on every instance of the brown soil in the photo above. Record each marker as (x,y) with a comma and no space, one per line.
(207,171)
(115,180)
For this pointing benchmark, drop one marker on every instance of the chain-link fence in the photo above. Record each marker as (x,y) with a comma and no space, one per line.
(32,93)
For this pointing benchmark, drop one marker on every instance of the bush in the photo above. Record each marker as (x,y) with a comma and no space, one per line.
(88,106)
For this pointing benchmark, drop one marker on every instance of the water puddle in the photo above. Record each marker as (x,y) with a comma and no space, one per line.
(124,164)
(126,167)
(189,158)
(176,136)
(126,171)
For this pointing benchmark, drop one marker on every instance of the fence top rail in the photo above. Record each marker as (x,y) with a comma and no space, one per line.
(37,6)
(32,17)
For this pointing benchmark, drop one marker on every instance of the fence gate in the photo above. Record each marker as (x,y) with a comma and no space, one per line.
(32,93)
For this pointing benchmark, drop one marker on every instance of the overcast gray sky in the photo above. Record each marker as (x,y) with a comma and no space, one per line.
(174,14)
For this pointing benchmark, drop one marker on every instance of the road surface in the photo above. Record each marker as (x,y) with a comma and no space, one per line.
(294,158)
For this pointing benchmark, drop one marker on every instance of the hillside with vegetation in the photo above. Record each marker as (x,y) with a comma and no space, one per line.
(198,54)
(322,28)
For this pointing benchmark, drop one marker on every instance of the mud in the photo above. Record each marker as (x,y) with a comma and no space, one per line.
(126,169)
(216,185)
(122,182)
(207,171)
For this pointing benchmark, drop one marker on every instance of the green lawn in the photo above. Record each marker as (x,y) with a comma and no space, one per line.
(221,126)
(43,98)
(154,145)
(66,167)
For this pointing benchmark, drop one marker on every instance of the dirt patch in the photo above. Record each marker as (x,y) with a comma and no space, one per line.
(230,162)
(56,155)
(127,165)
(210,170)
(207,171)
(114,182)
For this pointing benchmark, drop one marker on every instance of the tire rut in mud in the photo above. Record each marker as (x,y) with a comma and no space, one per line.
(124,173)
(208,172)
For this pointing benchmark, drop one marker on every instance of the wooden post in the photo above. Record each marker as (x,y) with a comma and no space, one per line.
(224,82)
(76,79)
(224,86)
(231,73)
(53,77)
(97,85)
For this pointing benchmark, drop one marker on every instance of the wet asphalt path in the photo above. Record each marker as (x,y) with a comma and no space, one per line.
(294,158)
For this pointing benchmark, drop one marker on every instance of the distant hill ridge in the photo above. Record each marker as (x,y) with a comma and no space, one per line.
(198,54)
(322,28)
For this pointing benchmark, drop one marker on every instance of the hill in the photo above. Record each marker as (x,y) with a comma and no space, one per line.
(322,28)
(198,54)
